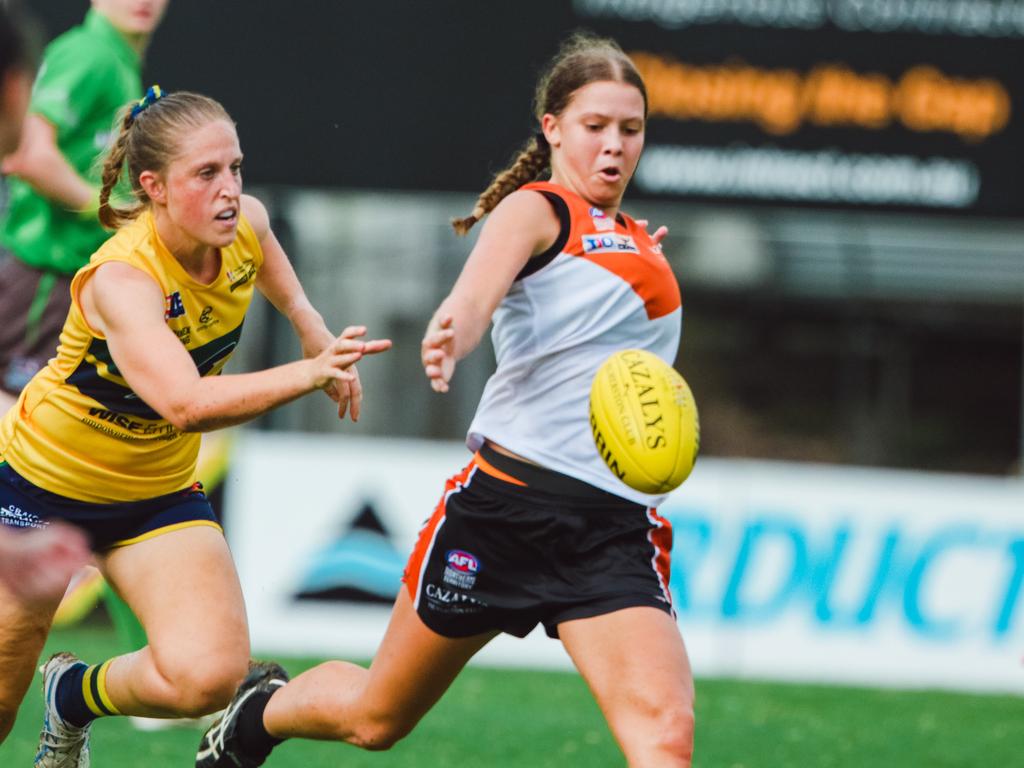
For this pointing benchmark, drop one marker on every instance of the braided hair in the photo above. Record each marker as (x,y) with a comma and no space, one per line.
(582,59)
(147,140)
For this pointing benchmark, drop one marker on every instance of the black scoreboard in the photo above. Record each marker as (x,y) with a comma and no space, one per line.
(876,104)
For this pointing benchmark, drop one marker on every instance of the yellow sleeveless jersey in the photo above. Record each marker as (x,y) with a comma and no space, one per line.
(78,429)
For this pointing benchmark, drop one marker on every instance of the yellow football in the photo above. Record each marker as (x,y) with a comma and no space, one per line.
(644,421)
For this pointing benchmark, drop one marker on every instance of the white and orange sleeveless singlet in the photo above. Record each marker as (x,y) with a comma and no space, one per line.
(603,286)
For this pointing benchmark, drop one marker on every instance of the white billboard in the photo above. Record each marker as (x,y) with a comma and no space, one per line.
(779,571)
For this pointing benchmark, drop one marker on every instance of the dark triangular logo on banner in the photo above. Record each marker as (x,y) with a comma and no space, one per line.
(361,565)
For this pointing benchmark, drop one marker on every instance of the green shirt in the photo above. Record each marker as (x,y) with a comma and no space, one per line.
(87,75)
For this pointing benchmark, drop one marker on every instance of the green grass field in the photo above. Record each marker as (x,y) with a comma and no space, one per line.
(500,719)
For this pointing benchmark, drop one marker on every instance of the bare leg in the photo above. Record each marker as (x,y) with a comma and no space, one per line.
(635,663)
(184,589)
(373,708)
(23,631)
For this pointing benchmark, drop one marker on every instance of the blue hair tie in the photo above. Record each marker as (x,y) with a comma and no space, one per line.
(153,95)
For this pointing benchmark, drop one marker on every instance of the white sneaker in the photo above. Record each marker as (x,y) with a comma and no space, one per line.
(61,745)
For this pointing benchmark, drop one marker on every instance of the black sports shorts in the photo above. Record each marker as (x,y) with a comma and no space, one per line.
(24,505)
(511,545)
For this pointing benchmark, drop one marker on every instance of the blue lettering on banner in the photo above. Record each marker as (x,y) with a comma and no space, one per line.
(885,575)
(764,531)
(776,564)
(691,545)
(938,545)
(1011,596)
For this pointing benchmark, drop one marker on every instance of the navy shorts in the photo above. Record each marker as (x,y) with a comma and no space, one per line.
(24,505)
(512,545)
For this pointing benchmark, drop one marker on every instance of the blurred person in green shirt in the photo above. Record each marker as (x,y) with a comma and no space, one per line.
(49,231)
(16,70)
(50,228)
(35,565)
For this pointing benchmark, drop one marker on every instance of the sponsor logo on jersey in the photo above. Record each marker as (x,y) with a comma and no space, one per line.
(601,221)
(460,569)
(127,423)
(184,334)
(242,274)
(609,244)
(207,319)
(173,306)
(16,517)
(444,600)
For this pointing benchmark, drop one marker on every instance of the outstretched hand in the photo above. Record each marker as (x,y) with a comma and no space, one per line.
(334,368)
(437,352)
(37,565)
(659,233)
(347,394)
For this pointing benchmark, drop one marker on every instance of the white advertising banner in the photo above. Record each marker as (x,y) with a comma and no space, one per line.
(779,571)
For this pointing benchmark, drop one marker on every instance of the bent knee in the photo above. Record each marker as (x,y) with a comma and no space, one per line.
(379,735)
(674,731)
(204,689)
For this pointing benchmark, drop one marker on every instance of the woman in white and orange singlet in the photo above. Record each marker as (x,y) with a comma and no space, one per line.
(107,435)
(535,530)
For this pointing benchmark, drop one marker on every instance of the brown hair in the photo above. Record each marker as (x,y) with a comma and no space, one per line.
(582,59)
(148,140)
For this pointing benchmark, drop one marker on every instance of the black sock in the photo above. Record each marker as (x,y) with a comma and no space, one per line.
(253,738)
(81,694)
(70,701)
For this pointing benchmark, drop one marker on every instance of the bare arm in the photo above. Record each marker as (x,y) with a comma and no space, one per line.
(127,307)
(39,161)
(521,226)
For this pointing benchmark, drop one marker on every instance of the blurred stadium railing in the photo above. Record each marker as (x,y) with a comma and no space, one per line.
(848,337)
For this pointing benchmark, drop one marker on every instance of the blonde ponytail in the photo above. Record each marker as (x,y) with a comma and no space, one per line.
(113,165)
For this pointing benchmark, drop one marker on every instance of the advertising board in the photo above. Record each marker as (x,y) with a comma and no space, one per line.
(880,104)
(779,571)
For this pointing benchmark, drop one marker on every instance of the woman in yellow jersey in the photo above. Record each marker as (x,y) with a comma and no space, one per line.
(106,436)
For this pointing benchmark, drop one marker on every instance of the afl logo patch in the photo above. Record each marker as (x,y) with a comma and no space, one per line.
(601,221)
(460,569)
(462,561)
